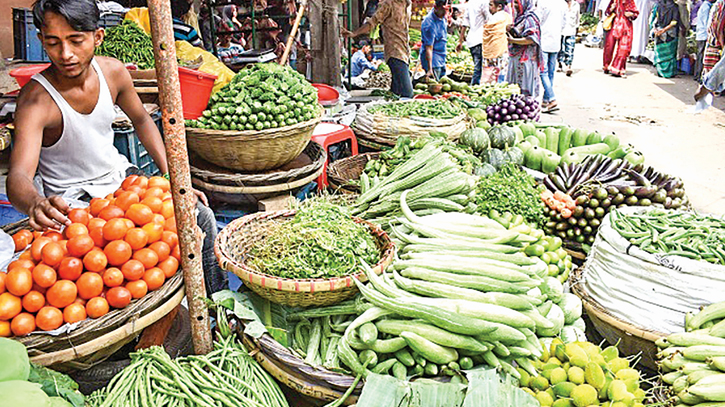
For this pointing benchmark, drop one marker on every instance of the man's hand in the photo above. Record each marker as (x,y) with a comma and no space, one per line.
(49,213)
(628,14)
(459,47)
(200,196)
(345,32)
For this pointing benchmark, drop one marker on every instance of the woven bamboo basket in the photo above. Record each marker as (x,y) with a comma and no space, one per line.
(632,340)
(340,172)
(251,150)
(94,340)
(235,240)
(291,370)
(312,158)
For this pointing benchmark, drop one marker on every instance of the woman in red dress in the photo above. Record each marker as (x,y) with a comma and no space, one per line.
(619,40)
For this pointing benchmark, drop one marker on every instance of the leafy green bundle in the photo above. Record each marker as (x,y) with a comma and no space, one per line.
(321,241)
(513,190)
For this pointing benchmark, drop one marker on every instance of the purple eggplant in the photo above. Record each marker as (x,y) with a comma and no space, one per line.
(646,191)
(638,178)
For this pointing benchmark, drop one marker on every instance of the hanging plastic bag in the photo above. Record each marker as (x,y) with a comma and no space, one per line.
(140,16)
(210,63)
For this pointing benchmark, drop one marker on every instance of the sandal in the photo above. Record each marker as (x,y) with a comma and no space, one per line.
(550,107)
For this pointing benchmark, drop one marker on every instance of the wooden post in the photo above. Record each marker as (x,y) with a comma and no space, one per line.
(190,236)
(325,47)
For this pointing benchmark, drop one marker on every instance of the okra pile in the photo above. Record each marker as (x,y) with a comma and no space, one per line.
(675,233)
(259,97)
(692,363)
(128,43)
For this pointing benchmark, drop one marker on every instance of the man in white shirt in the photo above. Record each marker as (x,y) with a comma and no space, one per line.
(552,14)
(477,14)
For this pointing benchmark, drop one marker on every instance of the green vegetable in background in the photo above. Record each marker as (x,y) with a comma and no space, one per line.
(15,363)
(22,393)
(513,190)
(128,43)
(56,384)
(439,109)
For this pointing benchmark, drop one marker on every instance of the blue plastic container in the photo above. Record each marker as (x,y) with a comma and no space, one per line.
(27,45)
(8,214)
(128,144)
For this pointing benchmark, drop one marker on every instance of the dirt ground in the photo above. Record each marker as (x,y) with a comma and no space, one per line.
(652,114)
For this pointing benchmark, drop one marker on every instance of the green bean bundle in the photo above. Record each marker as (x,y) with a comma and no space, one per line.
(322,240)
(228,377)
(128,43)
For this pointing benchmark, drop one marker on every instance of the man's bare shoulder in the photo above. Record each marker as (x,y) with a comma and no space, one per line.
(114,70)
(34,96)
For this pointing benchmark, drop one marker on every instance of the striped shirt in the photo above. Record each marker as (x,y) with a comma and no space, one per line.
(185,32)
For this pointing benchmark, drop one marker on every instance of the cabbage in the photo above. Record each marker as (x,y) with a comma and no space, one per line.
(553,288)
(579,323)
(15,363)
(22,393)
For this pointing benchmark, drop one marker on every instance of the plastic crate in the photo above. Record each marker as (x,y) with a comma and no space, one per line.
(27,45)
(8,214)
(109,20)
(128,144)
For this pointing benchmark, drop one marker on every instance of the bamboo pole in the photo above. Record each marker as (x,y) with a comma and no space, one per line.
(293,33)
(190,236)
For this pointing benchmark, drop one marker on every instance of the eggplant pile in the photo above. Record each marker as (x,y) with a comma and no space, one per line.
(516,107)
(599,184)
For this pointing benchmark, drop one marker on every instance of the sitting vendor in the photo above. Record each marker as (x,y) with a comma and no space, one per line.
(63,127)
(359,61)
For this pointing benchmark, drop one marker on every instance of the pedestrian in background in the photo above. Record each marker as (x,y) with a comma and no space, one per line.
(495,45)
(640,35)
(477,14)
(552,14)
(525,56)
(434,37)
(568,36)
(618,44)
(701,25)
(666,27)
(715,37)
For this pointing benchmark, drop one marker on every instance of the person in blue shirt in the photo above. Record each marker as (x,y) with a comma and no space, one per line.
(359,61)
(702,24)
(434,35)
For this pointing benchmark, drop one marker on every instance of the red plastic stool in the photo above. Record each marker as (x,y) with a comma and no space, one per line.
(327,134)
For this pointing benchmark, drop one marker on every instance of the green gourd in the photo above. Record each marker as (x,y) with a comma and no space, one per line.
(14,360)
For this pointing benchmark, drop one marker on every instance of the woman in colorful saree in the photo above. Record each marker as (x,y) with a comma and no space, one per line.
(525,57)
(715,37)
(619,39)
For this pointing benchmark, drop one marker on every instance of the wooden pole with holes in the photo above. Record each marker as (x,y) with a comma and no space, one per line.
(190,236)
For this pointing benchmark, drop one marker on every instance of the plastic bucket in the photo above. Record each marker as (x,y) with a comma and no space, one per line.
(22,75)
(196,90)
(327,95)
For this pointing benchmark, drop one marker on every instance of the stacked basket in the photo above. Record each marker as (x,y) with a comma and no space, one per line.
(253,140)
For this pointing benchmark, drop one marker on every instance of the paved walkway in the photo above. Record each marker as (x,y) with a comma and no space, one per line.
(650,113)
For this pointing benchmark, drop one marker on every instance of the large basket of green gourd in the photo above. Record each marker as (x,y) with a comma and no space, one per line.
(261,120)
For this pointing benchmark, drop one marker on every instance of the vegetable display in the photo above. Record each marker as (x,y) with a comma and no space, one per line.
(581,374)
(129,237)
(26,384)
(674,233)
(692,363)
(227,376)
(437,180)
(510,190)
(128,43)
(435,108)
(483,94)
(515,107)
(260,96)
(320,241)
(600,184)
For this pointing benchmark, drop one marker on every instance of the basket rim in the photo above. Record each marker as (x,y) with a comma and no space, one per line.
(594,307)
(261,189)
(277,132)
(315,284)
(240,179)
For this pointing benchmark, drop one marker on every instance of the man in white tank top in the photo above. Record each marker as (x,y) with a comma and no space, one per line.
(63,125)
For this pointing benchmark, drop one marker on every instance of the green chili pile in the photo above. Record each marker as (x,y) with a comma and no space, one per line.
(675,233)
(320,241)
(128,43)
(436,109)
